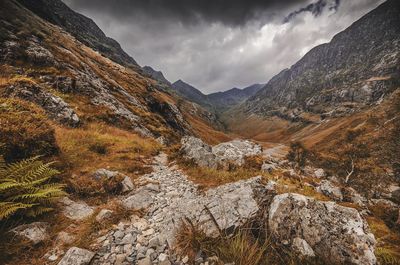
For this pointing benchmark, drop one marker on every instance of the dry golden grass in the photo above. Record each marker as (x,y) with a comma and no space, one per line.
(388,250)
(99,145)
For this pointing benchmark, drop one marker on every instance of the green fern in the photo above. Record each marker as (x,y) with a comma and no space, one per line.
(25,188)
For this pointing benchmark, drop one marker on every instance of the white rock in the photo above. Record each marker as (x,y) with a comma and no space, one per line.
(319,173)
(301,247)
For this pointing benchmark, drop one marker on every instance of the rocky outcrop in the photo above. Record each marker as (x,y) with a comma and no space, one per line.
(336,234)
(224,154)
(235,151)
(34,232)
(200,152)
(55,107)
(126,183)
(77,256)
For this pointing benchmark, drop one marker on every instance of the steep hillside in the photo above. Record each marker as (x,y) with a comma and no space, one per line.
(356,69)
(81,27)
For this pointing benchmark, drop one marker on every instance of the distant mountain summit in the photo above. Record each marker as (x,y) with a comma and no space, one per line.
(219,101)
(356,69)
(232,97)
(156,75)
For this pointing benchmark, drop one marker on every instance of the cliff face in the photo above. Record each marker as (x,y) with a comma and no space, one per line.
(357,68)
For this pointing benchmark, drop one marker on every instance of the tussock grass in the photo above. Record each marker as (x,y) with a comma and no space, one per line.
(249,245)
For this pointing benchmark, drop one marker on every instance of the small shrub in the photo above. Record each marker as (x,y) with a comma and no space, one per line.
(24,131)
(98,148)
(387,256)
(297,154)
(25,188)
(87,186)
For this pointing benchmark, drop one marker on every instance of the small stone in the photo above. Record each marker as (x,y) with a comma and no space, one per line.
(185,259)
(103,215)
(120,258)
(148,232)
(154,242)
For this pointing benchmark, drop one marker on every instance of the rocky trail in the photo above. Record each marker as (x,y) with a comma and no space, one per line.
(169,197)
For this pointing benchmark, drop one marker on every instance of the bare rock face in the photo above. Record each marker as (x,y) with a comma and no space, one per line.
(55,107)
(336,234)
(77,256)
(194,148)
(235,151)
(35,232)
(76,210)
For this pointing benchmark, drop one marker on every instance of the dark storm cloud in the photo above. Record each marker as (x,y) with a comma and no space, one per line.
(216,45)
(314,8)
(232,12)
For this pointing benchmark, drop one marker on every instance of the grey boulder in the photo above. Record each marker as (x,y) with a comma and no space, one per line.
(336,234)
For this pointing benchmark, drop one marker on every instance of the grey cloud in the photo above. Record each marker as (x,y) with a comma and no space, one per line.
(218,53)
(315,8)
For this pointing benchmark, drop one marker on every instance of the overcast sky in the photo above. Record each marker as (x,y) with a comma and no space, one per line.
(218,44)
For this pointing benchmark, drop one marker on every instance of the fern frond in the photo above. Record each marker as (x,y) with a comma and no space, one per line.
(9,208)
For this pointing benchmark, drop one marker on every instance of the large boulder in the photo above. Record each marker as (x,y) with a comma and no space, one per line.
(77,256)
(336,234)
(236,151)
(35,232)
(200,152)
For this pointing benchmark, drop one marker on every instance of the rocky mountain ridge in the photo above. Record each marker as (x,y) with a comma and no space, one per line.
(356,69)
(218,101)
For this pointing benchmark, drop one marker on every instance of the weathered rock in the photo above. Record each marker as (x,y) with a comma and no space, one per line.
(145,261)
(319,173)
(330,190)
(77,256)
(235,151)
(35,232)
(55,107)
(395,195)
(142,199)
(39,55)
(194,148)
(105,173)
(337,234)
(127,184)
(76,210)
(351,195)
(302,248)
(268,167)
(103,215)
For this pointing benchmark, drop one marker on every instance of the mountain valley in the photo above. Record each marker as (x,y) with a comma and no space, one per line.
(103,161)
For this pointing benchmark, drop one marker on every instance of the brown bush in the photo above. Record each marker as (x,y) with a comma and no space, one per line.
(24,130)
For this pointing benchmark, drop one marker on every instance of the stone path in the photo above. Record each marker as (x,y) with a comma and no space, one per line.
(169,196)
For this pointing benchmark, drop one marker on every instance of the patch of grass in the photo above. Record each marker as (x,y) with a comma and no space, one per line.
(25,130)
(387,256)
(97,145)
